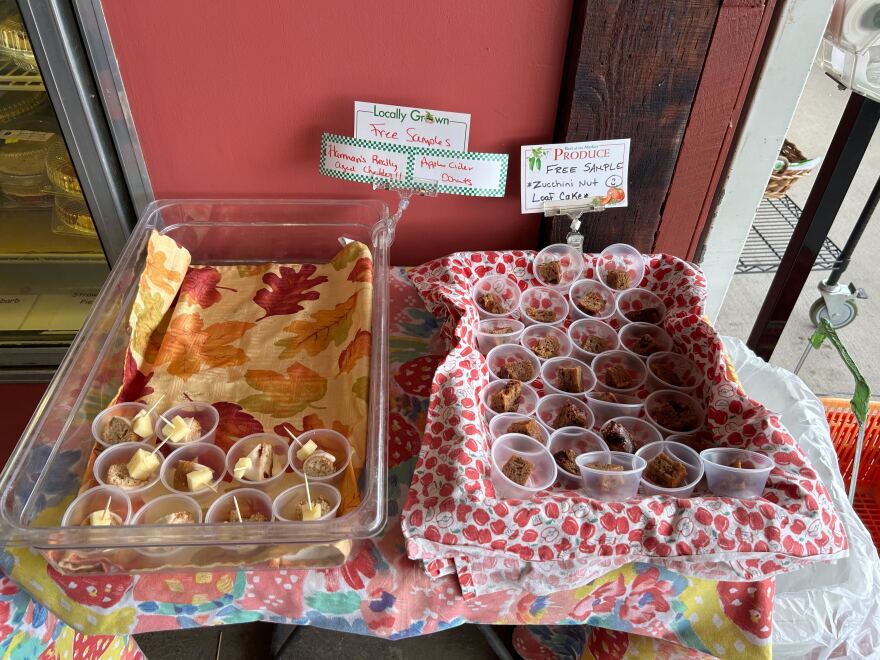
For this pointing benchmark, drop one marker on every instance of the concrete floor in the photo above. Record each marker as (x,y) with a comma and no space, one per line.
(263,641)
(812,128)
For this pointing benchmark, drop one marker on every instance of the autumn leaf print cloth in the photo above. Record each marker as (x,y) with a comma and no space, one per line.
(274,347)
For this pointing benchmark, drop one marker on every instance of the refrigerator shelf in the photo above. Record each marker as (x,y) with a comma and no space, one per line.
(16,78)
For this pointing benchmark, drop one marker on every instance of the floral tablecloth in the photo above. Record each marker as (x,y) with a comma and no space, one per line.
(638,609)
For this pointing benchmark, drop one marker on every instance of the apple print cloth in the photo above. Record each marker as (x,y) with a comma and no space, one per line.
(454,523)
(380,591)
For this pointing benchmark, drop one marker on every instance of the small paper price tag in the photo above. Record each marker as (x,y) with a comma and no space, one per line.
(594,173)
(29,136)
(454,172)
(415,127)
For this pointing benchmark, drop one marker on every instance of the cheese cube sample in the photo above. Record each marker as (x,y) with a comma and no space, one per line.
(143,464)
(199,479)
(310,512)
(179,431)
(142,425)
(242,465)
(102,519)
(306,450)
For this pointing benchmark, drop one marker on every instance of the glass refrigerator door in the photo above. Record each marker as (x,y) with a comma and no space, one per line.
(52,263)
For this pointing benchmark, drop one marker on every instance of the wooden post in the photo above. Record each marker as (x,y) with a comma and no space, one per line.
(631,70)
(724,86)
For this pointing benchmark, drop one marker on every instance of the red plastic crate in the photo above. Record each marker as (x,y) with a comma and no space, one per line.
(844,434)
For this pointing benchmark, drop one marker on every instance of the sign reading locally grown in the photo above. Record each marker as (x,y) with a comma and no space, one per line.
(589,173)
(454,172)
(415,127)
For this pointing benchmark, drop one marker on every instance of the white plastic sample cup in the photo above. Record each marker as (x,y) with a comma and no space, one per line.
(611,486)
(156,509)
(289,502)
(636,300)
(533,335)
(121,454)
(642,432)
(625,406)
(571,262)
(582,441)
(726,480)
(502,286)
(244,446)
(95,500)
(543,299)
(621,256)
(656,400)
(500,425)
(500,356)
(327,440)
(543,472)
(633,365)
(677,452)
(206,415)
(670,371)
(488,336)
(211,456)
(581,331)
(250,502)
(550,375)
(549,406)
(583,287)
(528,399)
(126,410)
(631,334)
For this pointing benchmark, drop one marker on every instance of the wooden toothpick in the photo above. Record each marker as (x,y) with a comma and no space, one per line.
(237,510)
(153,407)
(308,493)
(107,508)
(159,446)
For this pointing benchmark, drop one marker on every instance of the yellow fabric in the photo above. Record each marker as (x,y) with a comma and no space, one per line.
(289,344)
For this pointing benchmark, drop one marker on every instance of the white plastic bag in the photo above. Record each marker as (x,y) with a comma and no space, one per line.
(827,610)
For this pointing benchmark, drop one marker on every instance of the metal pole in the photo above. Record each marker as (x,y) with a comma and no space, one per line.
(842,262)
(858,459)
(842,161)
(803,359)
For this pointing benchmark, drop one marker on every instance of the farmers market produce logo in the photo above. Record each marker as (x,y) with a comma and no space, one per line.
(535,158)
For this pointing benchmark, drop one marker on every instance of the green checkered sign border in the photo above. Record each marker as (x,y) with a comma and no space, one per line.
(411,154)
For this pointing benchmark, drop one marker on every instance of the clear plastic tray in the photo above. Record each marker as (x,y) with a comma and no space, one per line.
(47,466)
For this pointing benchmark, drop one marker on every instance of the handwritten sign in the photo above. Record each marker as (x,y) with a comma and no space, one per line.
(455,172)
(594,173)
(416,127)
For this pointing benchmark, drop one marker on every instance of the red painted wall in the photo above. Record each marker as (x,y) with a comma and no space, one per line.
(230,98)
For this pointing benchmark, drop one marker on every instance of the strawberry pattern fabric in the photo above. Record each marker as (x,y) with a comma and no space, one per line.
(562,538)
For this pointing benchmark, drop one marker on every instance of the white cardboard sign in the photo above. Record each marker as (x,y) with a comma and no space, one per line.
(594,173)
(414,127)
(448,171)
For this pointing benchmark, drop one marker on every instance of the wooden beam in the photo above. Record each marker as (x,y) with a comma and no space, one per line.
(631,70)
(730,65)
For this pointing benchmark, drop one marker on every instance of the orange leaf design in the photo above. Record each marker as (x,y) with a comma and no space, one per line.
(357,349)
(315,334)
(188,346)
(155,270)
(284,395)
(362,271)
